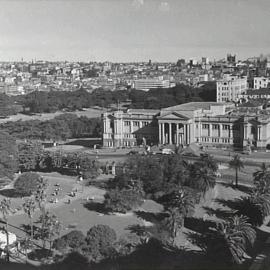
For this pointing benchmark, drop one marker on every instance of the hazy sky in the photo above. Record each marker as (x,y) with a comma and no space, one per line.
(132,30)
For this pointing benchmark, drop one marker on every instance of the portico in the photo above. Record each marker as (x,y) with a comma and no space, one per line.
(174,129)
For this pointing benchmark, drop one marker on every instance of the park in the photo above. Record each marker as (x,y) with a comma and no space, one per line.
(164,202)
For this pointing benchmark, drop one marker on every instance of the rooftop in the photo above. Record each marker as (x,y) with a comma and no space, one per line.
(193,106)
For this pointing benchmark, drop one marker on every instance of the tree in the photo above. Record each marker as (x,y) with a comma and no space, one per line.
(178,204)
(100,240)
(209,162)
(74,240)
(261,179)
(5,205)
(147,169)
(27,183)
(125,196)
(237,164)
(89,167)
(51,228)
(29,154)
(40,198)
(201,177)
(29,207)
(230,239)
(9,156)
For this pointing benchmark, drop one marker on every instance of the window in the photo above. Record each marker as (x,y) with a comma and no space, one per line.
(144,123)
(127,123)
(136,123)
(225,127)
(215,126)
(205,126)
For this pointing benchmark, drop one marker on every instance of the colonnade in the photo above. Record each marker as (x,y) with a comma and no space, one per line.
(174,133)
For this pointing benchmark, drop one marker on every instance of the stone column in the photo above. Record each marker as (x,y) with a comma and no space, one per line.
(259,133)
(231,131)
(159,133)
(163,133)
(245,132)
(170,133)
(177,134)
(131,127)
(185,134)
(210,130)
(188,133)
(220,131)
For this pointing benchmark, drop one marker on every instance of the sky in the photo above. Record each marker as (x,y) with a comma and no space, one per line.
(132,30)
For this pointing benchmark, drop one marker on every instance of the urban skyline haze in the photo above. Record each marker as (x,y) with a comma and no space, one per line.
(132,30)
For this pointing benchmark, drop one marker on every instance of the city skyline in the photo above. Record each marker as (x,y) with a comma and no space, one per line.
(132,30)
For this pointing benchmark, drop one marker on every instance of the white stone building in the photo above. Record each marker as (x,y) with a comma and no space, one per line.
(230,87)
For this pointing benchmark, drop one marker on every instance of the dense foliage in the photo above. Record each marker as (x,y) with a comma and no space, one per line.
(27,183)
(74,240)
(162,98)
(40,102)
(29,155)
(100,240)
(61,127)
(125,197)
(8,157)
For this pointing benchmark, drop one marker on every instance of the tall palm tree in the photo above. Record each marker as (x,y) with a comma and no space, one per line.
(5,208)
(40,197)
(178,204)
(29,206)
(237,164)
(209,162)
(201,177)
(261,179)
(232,238)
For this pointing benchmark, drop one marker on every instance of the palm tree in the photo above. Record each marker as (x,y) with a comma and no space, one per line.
(232,238)
(5,210)
(201,177)
(26,244)
(29,206)
(51,228)
(262,179)
(236,163)
(178,204)
(209,162)
(256,207)
(40,197)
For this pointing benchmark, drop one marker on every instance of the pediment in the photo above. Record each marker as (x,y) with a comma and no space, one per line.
(174,116)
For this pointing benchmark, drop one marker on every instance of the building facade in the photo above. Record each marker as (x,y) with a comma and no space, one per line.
(230,87)
(205,123)
(260,82)
(147,84)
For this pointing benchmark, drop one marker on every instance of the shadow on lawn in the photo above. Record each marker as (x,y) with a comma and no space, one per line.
(240,187)
(219,213)
(27,229)
(11,193)
(97,207)
(198,224)
(151,217)
(150,256)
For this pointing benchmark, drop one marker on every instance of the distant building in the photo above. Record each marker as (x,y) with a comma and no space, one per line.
(230,87)
(262,93)
(205,123)
(231,58)
(147,84)
(260,82)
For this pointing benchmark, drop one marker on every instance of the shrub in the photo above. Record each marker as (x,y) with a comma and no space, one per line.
(100,240)
(74,240)
(27,183)
(122,200)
